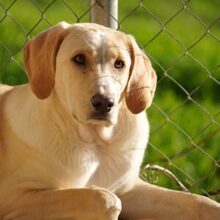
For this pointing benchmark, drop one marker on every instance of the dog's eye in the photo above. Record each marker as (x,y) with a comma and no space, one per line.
(79,59)
(119,64)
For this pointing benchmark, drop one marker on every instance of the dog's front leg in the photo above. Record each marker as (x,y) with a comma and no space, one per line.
(73,204)
(146,201)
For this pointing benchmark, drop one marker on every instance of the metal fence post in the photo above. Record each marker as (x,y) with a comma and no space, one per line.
(104,12)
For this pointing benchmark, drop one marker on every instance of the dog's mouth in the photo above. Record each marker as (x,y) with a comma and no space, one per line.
(104,118)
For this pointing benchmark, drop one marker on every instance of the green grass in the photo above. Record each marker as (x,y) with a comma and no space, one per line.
(183,43)
(186,141)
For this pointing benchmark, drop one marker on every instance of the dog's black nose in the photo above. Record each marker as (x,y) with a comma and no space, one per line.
(101,103)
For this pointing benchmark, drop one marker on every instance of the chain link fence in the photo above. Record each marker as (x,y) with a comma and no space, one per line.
(182,38)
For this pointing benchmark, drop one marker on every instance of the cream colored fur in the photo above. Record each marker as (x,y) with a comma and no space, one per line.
(59,161)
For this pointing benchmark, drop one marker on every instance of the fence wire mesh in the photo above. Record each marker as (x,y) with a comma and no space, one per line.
(182,39)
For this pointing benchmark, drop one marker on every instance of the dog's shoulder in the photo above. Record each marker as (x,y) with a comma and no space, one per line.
(5,88)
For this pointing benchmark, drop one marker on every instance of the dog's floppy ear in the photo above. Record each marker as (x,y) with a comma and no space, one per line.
(40,58)
(142,81)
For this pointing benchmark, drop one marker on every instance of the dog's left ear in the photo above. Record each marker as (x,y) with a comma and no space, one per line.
(142,81)
(40,58)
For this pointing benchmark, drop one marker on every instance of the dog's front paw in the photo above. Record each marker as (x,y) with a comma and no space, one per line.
(107,204)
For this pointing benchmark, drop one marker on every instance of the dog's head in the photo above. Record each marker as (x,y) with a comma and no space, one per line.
(93,70)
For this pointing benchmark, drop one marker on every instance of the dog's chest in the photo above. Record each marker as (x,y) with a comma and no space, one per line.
(95,164)
(91,160)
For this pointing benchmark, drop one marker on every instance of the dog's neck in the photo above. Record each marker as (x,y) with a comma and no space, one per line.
(91,133)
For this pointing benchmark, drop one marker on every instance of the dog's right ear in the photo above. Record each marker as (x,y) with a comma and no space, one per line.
(40,59)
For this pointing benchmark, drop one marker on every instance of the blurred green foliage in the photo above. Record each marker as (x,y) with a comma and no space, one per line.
(182,38)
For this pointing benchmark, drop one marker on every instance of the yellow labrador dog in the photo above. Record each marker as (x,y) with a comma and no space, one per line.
(72,140)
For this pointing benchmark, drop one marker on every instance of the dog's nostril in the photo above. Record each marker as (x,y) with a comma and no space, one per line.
(110,104)
(97,105)
(101,103)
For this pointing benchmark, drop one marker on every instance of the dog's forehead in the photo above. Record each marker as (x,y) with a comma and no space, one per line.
(95,36)
(91,29)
